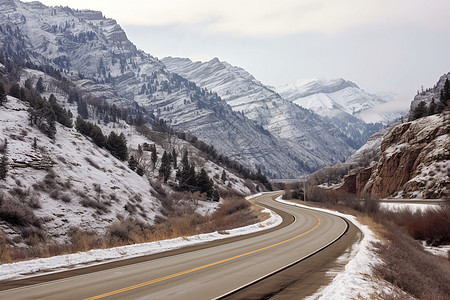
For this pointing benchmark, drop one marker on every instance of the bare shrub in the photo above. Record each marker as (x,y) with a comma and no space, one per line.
(17,213)
(18,193)
(130,208)
(124,230)
(34,202)
(92,163)
(66,198)
(84,240)
(99,206)
(232,213)
(55,194)
(432,225)
(413,270)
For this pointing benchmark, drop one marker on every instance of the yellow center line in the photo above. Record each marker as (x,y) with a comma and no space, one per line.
(129,288)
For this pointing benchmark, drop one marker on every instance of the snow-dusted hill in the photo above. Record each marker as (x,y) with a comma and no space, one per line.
(96,55)
(337,96)
(310,139)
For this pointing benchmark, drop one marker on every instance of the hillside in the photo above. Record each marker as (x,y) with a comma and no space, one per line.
(57,183)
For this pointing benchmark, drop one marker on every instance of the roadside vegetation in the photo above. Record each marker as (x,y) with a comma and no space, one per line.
(406,264)
(181,220)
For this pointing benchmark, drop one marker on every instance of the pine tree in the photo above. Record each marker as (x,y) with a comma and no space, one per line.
(154,156)
(204,184)
(14,91)
(445,92)
(132,164)
(185,161)
(2,94)
(40,85)
(215,196)
(419,112)
(164,169)
(117,145)
(174,159)
(224,176)
(82,109)
(140,171)
(3,166)
(432,108)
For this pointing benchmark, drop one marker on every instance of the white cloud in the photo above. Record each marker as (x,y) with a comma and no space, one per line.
(268,17)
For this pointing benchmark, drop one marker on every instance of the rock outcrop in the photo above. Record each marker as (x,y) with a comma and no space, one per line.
(414,162)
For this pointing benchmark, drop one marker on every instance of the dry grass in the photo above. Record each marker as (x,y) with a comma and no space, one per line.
(409,267)
(181,221)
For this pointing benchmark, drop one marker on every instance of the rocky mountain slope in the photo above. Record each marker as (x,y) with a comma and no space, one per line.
(95,54)
(413,159)
(310,139)
(348,107)
(56,186)
(414,163)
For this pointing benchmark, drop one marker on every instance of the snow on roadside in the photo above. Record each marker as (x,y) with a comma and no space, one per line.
(443,250)
(70,261)
(354,282)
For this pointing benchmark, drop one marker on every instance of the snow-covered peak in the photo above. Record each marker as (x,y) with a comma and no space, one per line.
(328,97)
(303,88)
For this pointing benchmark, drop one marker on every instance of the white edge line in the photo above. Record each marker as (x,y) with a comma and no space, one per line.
(278,199)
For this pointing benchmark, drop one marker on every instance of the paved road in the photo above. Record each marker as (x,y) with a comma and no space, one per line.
(203,273)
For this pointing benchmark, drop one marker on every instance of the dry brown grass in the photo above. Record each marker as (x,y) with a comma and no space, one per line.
(181,222)
(409,267)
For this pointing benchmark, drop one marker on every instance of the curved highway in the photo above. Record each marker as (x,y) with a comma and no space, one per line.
(205,273)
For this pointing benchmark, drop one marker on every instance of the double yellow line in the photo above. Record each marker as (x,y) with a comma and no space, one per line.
(133,287)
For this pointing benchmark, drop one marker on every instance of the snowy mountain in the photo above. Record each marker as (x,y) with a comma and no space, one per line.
(56,187)
(334,97)
(310,139)
(94,53)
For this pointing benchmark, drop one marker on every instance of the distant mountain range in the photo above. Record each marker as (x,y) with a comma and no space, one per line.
(221,104)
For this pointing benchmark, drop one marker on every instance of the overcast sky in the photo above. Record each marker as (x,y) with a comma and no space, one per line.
(381,45)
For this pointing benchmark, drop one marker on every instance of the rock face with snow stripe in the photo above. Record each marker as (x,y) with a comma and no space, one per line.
(414,162)
(96,55)
(311,139)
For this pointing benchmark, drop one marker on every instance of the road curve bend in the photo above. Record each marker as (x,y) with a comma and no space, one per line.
(204,273)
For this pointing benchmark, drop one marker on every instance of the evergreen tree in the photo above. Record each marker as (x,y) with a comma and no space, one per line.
(419,112)
(174,158)
(2,94)
(204,184)
(164,169)
(61,114)
(154,156)
(40,85)
(224,176)
(140,171)
(185,161)
(3,166)
(132,164)
(445,92)
(14,91)
(215,196)
(117,145)
(432,108)
(83,109)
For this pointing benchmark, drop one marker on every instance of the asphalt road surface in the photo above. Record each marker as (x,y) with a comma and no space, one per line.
(202,272)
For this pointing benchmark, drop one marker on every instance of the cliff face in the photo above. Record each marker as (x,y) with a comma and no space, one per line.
(414,163)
